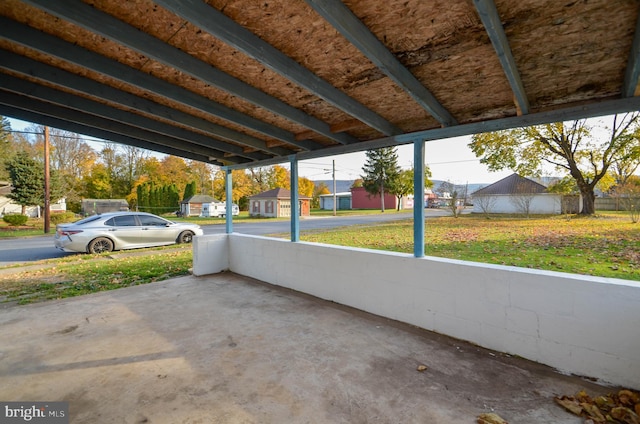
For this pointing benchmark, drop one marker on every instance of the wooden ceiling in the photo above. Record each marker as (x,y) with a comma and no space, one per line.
(247,83)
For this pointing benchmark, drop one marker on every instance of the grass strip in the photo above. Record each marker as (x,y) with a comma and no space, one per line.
(83,277)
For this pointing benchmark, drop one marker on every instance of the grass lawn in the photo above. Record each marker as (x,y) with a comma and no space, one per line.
(606,245)
(83,274)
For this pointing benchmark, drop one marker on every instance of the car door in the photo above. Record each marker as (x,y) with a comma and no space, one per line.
(156,230)
(124,230)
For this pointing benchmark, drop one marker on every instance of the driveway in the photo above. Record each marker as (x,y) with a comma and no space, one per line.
(228,349)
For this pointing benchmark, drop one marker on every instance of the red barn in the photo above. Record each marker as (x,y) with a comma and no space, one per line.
(360,199)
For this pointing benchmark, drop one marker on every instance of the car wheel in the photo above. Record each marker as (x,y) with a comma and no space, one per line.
(185,237)
(100,245)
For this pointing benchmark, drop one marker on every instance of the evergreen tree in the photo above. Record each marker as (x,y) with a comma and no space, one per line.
(174,198)
(5,146)
(27,178)
(380,172)
(189,190)
(142,192)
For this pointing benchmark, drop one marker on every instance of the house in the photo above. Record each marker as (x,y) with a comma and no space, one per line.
(8,206)
(276,203)
(518,195)
(193,206)
(343,201)
(360,199)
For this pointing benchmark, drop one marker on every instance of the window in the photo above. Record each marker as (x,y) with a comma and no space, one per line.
(122,221)
(268,206)
(152,221)
(256,206)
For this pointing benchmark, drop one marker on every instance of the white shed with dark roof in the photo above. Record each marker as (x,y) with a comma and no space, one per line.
(519,195)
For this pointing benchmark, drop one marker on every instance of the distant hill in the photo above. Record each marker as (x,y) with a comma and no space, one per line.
(342,186)
(460,188)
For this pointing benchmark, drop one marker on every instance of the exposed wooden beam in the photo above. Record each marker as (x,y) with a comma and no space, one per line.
(493,25)
(96,21)
(348,24)
(632,73)
(43,119)
(37,40)
(219,25)
(347,125)
(592,110)
(46,101)
(26,66)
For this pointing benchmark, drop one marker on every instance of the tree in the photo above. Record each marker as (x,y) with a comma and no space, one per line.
(452,204)
(202,173)
(278,177)
(522,198)
(27,179)
(6,151)
(318,190)
(173,170)
(380,171)
(626,162)
(569,190)
(189,190)
(403,184)
(571,146)
(629,195)
(305,187)
(70,157)
(486,203)
(97,185)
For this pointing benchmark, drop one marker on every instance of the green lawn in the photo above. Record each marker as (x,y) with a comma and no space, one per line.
(607,245)
(83,274)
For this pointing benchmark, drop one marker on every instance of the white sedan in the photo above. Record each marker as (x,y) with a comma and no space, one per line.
(122,230)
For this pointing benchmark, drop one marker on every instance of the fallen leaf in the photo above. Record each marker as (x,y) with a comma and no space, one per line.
(422,368)
(490,419)
(593,411)
(570,404)
(625,415)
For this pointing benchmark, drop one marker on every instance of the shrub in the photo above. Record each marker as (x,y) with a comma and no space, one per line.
(15,219)
(60,218)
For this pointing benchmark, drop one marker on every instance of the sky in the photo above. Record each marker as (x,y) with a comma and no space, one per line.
(449,160)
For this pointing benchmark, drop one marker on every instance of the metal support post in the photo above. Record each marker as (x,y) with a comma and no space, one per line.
(228,187)
(418,198)
(295,208)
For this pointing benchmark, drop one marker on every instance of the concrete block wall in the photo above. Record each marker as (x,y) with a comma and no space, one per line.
(577,324)
(210,254)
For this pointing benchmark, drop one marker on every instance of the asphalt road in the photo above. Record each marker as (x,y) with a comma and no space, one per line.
(29,249)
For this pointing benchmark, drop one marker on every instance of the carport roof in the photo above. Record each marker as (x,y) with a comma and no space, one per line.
(248,83)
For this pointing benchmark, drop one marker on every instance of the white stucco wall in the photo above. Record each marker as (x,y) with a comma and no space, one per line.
(546,203)
(577,324)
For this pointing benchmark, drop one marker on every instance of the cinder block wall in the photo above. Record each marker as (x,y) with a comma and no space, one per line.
(577,324)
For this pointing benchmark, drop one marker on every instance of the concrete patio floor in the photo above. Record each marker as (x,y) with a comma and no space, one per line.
(229,349)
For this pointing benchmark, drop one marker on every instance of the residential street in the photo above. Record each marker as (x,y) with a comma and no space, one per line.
(31,249)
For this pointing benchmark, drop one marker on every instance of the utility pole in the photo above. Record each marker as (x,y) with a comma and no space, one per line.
(382,192)
(47,202)
(334,188)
